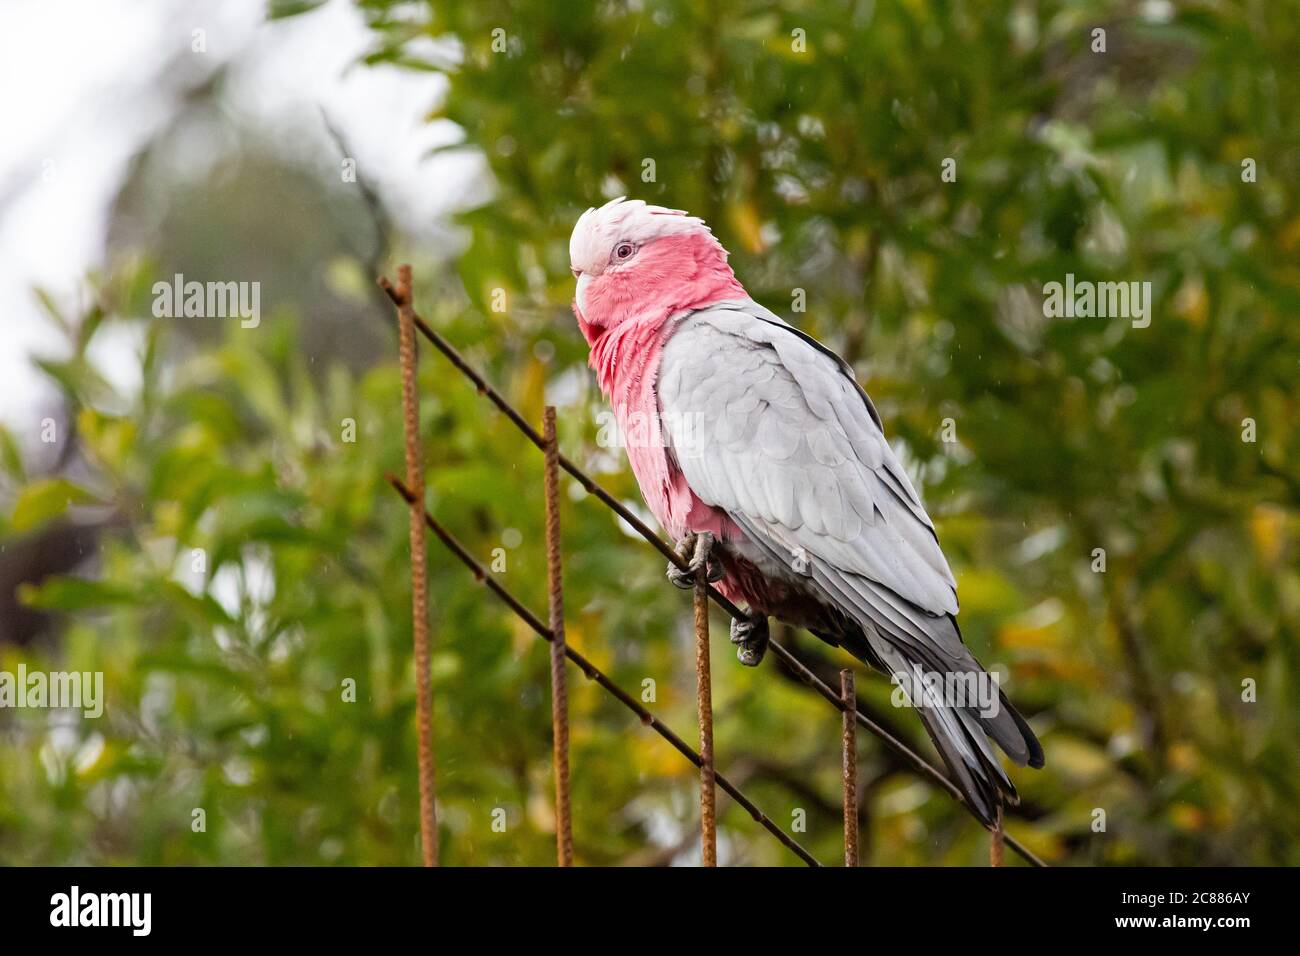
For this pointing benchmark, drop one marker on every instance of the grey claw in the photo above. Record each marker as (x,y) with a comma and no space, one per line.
(680,578)
(697,551)
(750,637)
(700,553)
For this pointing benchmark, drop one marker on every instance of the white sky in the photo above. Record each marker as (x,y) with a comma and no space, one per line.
(78,98)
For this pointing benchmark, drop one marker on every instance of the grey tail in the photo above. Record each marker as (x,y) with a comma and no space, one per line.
(961,733)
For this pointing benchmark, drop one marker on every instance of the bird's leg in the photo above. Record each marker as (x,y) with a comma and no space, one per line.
(750,637)
(696,549)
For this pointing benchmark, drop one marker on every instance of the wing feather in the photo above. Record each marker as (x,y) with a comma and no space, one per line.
(792,443)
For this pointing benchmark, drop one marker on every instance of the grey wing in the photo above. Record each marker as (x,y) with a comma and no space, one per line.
(771,427)
(768,427)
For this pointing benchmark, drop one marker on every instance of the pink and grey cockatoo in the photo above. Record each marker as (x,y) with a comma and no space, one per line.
(767,463)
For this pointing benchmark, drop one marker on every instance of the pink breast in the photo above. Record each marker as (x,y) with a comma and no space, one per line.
(627,326)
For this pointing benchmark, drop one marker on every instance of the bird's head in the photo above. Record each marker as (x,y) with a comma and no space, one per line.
(635,261)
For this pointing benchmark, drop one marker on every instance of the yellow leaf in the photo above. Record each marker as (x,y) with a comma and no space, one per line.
(1186,817)
(1267,531)
(1183,757)
(745,223)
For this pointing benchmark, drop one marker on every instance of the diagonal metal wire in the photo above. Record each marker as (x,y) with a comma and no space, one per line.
(594,673)
(917,762)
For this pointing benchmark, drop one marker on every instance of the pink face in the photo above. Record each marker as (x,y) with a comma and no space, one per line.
(633,274)
(637,261)
(602,278)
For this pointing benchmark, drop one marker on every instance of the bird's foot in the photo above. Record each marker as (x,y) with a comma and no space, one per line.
(697,551)
(750,637)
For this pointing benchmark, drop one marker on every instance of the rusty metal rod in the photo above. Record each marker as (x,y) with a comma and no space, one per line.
(996,841)
(555,604)
(704,710)
(849,694)
(408,356)
(917,762)
(593,673)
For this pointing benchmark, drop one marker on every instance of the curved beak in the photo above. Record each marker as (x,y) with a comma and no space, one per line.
(580,294)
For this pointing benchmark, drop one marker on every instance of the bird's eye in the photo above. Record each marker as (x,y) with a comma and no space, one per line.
(623,251)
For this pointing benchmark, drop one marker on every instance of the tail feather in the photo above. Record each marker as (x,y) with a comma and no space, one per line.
(981,781)
(961,734)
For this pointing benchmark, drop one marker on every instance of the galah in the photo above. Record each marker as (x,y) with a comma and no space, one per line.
(766,462)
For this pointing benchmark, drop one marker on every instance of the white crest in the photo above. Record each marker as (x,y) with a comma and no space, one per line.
(599,230)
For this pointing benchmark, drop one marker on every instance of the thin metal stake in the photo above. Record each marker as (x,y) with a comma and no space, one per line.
(849,695)
(995,844)
(419,571)
(559,691)
(704,707)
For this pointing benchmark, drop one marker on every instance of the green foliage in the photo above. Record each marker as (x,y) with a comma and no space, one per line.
(821,170)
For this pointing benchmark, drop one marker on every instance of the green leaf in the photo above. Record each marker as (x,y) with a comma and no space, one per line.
(73,594)
(51,309)
(280,9)
(78,379)
(46,500)
(11,456)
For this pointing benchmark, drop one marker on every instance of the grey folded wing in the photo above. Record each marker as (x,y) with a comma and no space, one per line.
(770,427)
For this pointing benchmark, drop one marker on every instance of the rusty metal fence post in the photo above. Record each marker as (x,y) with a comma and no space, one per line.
(419,570)
(996,841)
(559,691)
(848,692)
(704,708)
